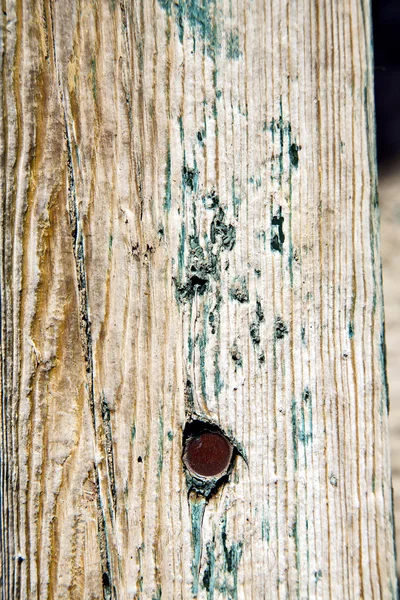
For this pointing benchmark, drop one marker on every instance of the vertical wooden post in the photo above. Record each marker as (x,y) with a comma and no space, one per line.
(190,240)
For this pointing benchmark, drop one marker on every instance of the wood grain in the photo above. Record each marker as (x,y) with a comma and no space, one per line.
(190,230)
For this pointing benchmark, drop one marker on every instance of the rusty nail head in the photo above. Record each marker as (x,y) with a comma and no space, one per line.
(208,454)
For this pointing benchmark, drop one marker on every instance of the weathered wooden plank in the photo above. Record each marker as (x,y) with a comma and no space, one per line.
(190,231)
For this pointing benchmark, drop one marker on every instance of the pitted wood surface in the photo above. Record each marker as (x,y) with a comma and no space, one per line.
(190,229)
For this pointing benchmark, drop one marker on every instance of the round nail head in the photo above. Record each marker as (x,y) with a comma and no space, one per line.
(208,454)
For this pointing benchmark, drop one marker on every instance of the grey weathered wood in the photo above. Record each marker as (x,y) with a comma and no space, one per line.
(190,228)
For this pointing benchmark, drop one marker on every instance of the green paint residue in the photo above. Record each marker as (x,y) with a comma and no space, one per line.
(280,329)
(202,350)
(160,446)
(351,329)
(294,161)
(78,160)
(281,132)
(383,360)
(259,311)
(190,338)
(272,128)
(200,15)
(222,232)
(218,384)
(217,97)
(232,556)
(294,433)
(265,530)
(139,555)
(255,332)
(211,320)
(209,571)
(255,327)
(257,181)
(167,198)
(301,427)
(197,272)
(305,430)
(232,45)
(190,177)
(277,235)
(236,200)
(211,200)
(283,129)
(181,130)
(294,155)
(181,252)
(393,594)
(238,290)
(203,264)
(236,356)
(158,594)
(166,5)
(201,136)
(197,505)
(293,533)
(333,480)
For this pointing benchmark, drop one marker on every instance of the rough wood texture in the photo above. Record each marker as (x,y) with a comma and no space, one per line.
(190,227)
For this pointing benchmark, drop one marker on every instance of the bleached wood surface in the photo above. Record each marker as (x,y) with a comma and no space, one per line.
(190,227)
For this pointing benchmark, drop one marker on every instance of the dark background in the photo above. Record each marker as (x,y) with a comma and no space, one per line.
(386,24)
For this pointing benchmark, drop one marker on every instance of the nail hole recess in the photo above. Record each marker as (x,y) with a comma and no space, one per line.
(208,456)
